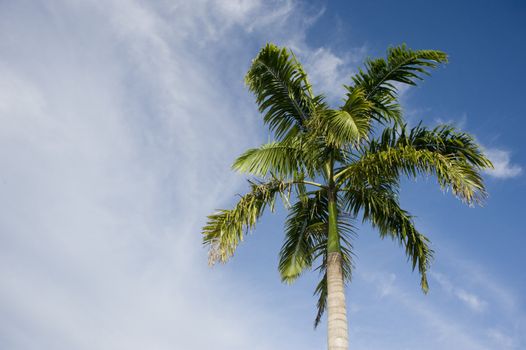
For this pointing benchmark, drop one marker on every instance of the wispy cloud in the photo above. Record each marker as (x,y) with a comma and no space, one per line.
(469,299)
(495,290)
(446,330)
(501,339)
(503,166)
(467,307)
(459,123)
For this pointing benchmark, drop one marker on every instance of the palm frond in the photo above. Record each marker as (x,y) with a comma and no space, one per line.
(306,233)
(361,109)
(379,205)
(321,304)
(282,90)
(379,79)
(282,159)
(341,128)
(443,139)
(225,229)
(305,221)
(452,156)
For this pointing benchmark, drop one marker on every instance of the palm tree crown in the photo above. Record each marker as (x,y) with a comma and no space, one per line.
(331,166)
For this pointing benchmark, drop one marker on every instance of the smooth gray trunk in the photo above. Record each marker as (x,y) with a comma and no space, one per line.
(336,308)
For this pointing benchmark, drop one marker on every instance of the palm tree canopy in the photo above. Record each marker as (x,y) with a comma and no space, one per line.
(358,152)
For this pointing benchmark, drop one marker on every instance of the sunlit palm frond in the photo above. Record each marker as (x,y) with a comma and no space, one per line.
(452,156)
(464,181)
(225,229)
(341,129)
(283,159)
(337,129)
(282,90)
(402,66)
(444,139)
(361,109)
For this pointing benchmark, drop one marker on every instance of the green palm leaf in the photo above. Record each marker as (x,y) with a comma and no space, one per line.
(379,79)
(342,128)
(379,205)
(282,90)
(452,156)
(283,159)
(305,221)
(225,229)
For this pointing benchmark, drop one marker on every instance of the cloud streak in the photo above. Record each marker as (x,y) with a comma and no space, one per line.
(503,167)
(471,300)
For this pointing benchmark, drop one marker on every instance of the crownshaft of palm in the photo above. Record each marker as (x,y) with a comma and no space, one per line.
(330,168)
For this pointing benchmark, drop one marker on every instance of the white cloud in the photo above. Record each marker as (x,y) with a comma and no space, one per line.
(386,285)
(501,160)
(459,123)
(471,300)
(329,72)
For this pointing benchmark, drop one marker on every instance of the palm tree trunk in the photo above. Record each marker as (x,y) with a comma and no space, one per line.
(337,314)
(336,308)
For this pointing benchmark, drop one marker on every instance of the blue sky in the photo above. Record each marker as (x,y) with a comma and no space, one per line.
(120,120)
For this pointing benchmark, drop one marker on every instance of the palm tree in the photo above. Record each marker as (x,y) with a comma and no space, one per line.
(340,165)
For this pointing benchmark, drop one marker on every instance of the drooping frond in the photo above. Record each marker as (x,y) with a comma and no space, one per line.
(443,139)
(379,79)
(306,222)
(321,304)
(452,156)
(379,205)
(225,229)
(306,234)
(283,92)
(464,181)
